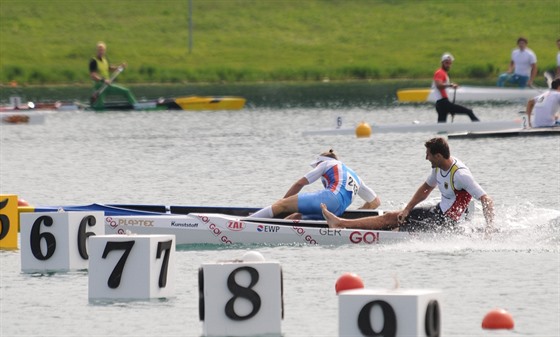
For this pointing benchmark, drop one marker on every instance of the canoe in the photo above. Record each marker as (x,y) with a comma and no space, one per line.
(40,106)
(222,229)
(424,127)
(139,209)
(517,132)
(19,117)
(469,94)
(194,228)
(189,103)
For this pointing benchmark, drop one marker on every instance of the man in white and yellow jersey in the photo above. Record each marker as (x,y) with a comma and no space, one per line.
(457,187)
(100,72)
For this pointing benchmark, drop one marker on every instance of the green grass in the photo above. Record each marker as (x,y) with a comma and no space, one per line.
(50,42)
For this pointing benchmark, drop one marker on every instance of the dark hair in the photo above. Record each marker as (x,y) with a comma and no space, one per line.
(521,38)
(330,153)
(555,84)
(438,145)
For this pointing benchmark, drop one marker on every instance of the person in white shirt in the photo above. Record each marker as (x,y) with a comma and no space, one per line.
(545,106)
(457,186)
(522,66)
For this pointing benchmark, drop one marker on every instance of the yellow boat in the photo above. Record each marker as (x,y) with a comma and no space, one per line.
(413,95)
(210,103)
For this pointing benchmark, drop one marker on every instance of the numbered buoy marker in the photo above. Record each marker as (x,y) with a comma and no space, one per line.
(58,241)
(131,267)
(390,313)
(241,298)
(9,221)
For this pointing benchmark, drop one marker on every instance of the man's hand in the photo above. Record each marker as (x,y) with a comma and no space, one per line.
(401,218)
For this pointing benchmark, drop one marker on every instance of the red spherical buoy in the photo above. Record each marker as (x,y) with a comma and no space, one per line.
(497,319)
(22,202)
(348,281)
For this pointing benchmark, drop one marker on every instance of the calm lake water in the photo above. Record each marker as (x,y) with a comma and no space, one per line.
(250,158)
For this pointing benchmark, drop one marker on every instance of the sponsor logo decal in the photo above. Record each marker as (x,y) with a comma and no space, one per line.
(365,237)
(183,224)
(235,226)
(268,228)
(309,239)
(299,230)
(215,229)
(128,222)
(329,232)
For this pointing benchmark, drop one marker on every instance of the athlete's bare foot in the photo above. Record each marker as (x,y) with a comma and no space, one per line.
(332,220)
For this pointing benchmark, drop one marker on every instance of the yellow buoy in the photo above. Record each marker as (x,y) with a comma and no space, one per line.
(363,130)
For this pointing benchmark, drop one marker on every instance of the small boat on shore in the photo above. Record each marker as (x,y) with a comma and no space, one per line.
(469,94)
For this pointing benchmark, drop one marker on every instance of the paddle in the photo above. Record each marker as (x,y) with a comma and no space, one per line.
(549,78)
(105,85)
(454,94)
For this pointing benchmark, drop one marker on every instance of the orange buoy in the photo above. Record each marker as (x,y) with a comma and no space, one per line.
(497,319)
(22,202)
(363,130)
(348,281)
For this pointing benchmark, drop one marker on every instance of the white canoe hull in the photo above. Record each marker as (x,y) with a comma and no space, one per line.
(426,127)
(477,94)
(470,94)
(206,228)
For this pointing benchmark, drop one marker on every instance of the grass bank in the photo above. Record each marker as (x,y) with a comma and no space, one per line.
(50,42)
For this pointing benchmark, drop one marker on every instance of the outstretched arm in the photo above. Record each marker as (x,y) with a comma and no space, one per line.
(296,187)
(533,74)
(488,211)
(529,110)
(421,194)
(372,204)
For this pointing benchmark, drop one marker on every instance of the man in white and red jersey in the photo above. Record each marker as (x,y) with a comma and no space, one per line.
(341,184)
(439,85)
(456,184)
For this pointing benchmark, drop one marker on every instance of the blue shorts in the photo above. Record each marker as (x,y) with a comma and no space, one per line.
(309,204)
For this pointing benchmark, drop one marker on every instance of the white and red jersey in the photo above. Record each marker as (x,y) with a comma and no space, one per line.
(440,75)
(457,187)
(341,180)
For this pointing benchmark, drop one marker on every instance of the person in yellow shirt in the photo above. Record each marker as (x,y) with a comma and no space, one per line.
(100,72)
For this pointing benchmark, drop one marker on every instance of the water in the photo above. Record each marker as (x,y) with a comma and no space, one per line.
(250,158)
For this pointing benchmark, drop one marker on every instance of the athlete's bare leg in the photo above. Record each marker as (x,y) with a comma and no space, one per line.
(385,221)
(332,220)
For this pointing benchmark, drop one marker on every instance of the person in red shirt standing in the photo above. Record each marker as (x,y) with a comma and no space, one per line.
(440,83)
